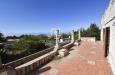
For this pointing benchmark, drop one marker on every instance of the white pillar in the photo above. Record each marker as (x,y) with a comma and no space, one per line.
(57,38)
(72,36)
(102,34)
(79,35)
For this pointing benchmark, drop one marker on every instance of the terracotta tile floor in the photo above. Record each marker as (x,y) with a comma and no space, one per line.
(87,59)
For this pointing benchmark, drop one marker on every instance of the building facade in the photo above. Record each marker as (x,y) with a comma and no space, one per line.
(108,33)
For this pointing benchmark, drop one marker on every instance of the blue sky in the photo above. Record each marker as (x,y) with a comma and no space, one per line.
(40,16)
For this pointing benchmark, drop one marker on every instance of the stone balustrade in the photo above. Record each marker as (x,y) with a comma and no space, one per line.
(24,65)
(36,63)
(64,50)
(68,46)
(31,65)
(28,58)
(64,43)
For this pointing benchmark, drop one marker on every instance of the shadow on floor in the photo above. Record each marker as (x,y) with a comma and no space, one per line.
(44,69)
(39,71)
(71,49)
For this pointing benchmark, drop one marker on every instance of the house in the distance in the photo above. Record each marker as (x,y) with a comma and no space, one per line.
(108,33)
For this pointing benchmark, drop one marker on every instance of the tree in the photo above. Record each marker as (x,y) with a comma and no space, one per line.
(12,37)
(29,43)
(92,31)
(76,35)
(2,39)
(64,35)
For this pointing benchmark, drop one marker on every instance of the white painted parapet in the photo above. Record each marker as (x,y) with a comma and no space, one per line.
(89,39)
(36,63)
(28,58)
(29,63)
(65,49)
(63,52)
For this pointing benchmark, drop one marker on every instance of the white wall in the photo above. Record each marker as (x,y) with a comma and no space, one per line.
(111,56)
(90,39)
(109,14)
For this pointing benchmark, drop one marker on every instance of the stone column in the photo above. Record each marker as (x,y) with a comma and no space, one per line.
(72,36)
(79,35)
(57,38)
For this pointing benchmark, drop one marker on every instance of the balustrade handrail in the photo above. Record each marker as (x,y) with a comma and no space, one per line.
(66,42)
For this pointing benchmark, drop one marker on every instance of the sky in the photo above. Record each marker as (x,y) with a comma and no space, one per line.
(43,16)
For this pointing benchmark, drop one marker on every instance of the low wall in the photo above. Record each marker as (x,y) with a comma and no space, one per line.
(68,46)
(32,56)
(89,39)
(29,66)
(64,43)
(36,63)
(37,60)
(28,58)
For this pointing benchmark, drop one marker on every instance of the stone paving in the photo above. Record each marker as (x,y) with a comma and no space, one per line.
(87,59)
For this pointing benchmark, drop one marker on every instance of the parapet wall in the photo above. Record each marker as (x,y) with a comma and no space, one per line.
(36,62)
(68,46)
(32,56)
(28,58)
(89,39)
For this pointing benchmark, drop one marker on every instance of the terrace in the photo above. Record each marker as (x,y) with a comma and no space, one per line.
(86,59)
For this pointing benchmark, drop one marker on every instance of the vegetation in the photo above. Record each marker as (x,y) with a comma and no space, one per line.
(26,45)
(2,39)
(29,43)
(92,31)
(12,37)
(64,35)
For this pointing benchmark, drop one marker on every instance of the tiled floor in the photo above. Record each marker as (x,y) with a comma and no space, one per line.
(87,59)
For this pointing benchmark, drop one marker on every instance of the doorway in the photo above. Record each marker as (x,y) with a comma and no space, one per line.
(106,40)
